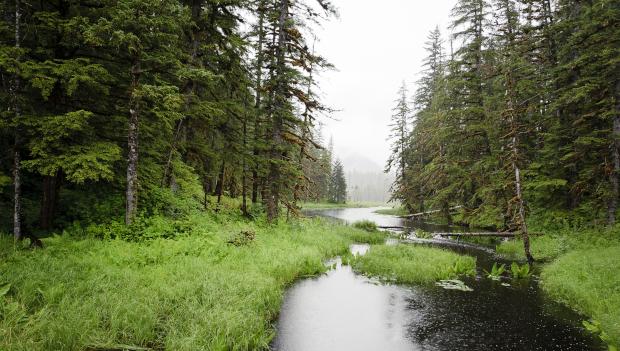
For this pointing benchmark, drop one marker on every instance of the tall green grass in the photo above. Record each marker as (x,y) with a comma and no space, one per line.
(407,263)
(589,281)
(192,292)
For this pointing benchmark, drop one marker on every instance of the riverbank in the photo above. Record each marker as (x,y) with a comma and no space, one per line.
(582,270)
(214,282)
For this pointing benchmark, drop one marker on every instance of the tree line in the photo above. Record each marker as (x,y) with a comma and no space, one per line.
(125,108)
(518,115)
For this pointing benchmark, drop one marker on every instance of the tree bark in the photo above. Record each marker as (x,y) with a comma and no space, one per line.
(132,144)
(17,182)
(259,76)
(219,187)
(273,200)
(49,201)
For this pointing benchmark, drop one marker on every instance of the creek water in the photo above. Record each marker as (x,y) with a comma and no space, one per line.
(342,310)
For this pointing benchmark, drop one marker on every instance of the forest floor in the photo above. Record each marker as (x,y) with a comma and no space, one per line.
(213,283)
(581,270)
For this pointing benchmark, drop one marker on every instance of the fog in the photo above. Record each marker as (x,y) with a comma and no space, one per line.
(375,45)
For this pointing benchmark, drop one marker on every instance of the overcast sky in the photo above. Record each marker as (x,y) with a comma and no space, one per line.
(375,45)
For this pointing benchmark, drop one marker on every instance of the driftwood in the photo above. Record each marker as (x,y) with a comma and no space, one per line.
(391,227)
(421,214)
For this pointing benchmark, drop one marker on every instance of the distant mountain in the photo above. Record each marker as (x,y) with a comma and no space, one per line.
(366,181)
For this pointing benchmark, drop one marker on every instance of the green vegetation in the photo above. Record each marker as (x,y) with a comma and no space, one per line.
(582,271)
(588,280)
(194,290)
(496,271)
(366,225)
(406,263)
(520,271)
(393,211)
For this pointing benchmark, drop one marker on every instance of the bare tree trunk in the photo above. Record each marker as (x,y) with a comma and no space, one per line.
(17,182)
(132,144)
(244,190)
(613,177)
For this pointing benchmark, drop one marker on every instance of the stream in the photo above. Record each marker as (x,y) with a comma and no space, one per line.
(342,310)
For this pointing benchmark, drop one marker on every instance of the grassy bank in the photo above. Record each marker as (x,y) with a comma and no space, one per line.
(393,211)
(196,290)
(406,263)
(582,271)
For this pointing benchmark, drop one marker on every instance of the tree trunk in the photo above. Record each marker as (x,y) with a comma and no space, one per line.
(49,201)
(259,76)
(17,182)
(219,187)
(613,176)
(273,200)
(132,145)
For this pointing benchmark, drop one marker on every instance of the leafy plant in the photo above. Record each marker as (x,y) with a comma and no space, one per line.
(496,271)
(453,284)
(4,289)
(519,272)
(595,328)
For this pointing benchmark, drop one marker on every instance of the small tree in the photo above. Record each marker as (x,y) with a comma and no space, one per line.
(337,192)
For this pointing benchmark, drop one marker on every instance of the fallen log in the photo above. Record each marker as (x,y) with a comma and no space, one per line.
(420,214)
(390,227)
(487,234)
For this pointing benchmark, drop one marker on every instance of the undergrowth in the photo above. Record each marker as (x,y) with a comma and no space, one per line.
(101,287)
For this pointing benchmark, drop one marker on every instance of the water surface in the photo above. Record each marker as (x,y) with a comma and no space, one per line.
(342,310)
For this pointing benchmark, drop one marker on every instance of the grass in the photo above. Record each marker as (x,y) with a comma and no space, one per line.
(328,206)
(191,292)
(393,211)
(366,225)
(589,280)
(405,263)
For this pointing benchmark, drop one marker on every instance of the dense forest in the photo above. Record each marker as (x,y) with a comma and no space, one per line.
(516,114)
(126,108)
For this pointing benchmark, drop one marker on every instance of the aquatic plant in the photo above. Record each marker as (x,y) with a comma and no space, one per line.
(453,284)
(423,234)
(496,271)
(520,272)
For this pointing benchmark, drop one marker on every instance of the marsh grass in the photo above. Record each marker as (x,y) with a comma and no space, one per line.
(405,263)
(192,292)
(393,211)
(589,281)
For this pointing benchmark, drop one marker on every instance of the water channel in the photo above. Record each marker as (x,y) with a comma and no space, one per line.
(342,310)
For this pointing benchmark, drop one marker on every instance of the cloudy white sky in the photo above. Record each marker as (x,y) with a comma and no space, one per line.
(375,45)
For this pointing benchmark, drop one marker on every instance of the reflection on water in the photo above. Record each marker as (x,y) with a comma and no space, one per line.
(344,311)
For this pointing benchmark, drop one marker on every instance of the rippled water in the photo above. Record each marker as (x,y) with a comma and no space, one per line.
(345,311)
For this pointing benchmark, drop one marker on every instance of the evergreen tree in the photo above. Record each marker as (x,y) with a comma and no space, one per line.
(337,185)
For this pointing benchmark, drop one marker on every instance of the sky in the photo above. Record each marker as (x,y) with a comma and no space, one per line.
(375,45)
